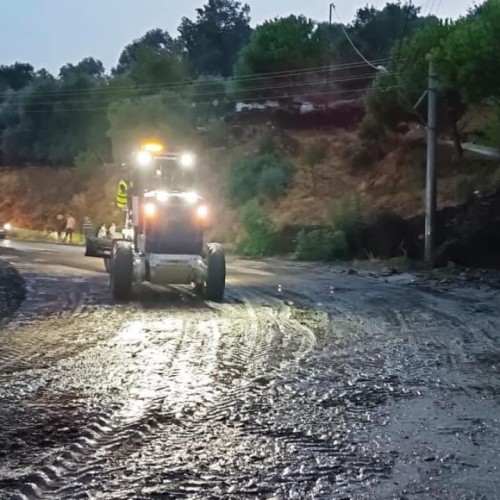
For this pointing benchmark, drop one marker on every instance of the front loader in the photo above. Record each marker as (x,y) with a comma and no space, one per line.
(164,238)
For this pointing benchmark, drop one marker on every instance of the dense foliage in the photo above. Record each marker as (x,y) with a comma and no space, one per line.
(171,85)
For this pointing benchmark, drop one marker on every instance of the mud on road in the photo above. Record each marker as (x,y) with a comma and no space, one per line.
(303,384)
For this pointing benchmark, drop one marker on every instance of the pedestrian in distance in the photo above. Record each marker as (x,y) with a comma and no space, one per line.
(60,226)
(103,232)
(70,228)
(112,230)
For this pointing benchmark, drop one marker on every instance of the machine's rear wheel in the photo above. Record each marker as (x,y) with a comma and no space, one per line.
(215,283)
(121,271)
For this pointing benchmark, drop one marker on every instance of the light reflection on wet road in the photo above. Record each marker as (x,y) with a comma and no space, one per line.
(267,395)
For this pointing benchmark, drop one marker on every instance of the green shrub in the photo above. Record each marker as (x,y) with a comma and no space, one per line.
(346,216)
(337,242)
(273,182)
(370,129)
(264,175)
(260,239)
(322,244)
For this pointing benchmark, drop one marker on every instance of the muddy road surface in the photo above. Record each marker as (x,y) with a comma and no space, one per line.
(304,383)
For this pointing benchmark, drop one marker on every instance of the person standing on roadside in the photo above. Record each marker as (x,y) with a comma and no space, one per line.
(103,232)
(60,226)
(112,230)
(70,228)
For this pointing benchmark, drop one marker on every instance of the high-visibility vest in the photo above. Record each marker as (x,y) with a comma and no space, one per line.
(122,194)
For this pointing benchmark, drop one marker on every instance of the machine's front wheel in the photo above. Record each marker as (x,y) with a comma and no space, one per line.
(121,271)
(215,283)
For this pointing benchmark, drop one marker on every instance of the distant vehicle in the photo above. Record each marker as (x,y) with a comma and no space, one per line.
(5,229)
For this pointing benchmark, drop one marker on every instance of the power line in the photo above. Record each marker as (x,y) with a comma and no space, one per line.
(286,96)
(431,7)
(242,79)
(438,7)
(351,42)
(214,95)
(405,27)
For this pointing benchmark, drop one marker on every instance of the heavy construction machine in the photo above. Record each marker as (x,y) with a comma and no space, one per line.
(166,221)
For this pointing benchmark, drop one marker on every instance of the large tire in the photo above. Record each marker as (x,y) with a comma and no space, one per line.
(121,271)
(216,278)
(90,248)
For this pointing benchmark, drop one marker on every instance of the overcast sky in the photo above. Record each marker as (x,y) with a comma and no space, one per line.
(50,33)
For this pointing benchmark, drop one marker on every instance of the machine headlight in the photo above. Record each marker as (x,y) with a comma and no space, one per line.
(187,160)
(202,212)
(7,226)
(162,196)
(191,198)
(144,158)
(149,209)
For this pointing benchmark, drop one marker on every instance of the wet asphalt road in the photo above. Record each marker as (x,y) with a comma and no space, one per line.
(304,383)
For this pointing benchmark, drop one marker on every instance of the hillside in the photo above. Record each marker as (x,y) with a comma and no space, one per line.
(388,176)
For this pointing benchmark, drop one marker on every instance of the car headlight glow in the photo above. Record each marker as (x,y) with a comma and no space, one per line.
(144,158)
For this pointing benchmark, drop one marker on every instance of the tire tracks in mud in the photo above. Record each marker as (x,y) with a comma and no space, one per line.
(182,399)
(221,349)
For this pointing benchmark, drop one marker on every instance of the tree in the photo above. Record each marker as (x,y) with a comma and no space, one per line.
(394,92)
(375,32)
(212,42)
(152,60)
(157,41)
(208,95)
(88,68)
(281,45)
(467,59)
(16,76)
(165,115)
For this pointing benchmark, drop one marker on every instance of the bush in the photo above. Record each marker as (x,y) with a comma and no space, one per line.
(264,175)
(346,216)
(260,239)
(273,182)
(370,129)
(322,244)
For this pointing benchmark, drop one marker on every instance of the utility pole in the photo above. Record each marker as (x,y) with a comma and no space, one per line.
(330,49)
(431,191)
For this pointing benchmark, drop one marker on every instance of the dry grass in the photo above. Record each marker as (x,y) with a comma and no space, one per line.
(32,197)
